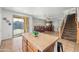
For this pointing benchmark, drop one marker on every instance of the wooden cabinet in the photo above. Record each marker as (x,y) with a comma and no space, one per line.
(44,28)
(50,48)
(33,48)
(30,49)
(27,46)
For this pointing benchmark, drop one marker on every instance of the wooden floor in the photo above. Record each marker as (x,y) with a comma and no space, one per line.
(11,45)
(15,45)
(68,46)
(77,48)
(6,45)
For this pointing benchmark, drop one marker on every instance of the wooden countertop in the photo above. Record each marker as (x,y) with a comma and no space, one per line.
(42,41)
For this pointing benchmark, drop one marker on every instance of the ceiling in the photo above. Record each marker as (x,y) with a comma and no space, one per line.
(39,11)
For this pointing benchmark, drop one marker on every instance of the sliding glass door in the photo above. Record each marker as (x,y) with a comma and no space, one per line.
(18,26)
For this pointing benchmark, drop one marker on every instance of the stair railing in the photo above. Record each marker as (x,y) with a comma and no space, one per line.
(62,27)
(76,18)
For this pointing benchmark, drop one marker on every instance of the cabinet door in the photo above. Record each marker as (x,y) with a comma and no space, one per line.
(31,47)
(50,48)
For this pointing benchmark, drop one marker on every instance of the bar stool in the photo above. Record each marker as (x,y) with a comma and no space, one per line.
(59,47)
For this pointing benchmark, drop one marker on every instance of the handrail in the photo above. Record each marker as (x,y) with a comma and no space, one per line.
(76,20)
(62,26)
(76,17)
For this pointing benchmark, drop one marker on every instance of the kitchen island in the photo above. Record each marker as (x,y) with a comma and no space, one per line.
(42,43)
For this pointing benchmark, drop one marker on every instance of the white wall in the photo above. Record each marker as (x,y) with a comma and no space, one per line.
(57,23)
(7,29)
(0,24)
(78,14)
(70,11)
(30,24)
(38,22)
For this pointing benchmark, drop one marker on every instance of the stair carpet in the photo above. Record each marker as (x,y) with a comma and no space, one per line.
(70,29)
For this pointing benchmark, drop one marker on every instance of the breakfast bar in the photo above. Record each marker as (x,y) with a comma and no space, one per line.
(42,43)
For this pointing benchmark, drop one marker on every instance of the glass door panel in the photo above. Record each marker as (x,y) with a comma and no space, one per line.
(18,26)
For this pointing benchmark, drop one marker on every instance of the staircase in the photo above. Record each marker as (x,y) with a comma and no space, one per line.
(70,29)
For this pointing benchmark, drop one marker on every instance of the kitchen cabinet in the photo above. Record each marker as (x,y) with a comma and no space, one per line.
(42,43)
